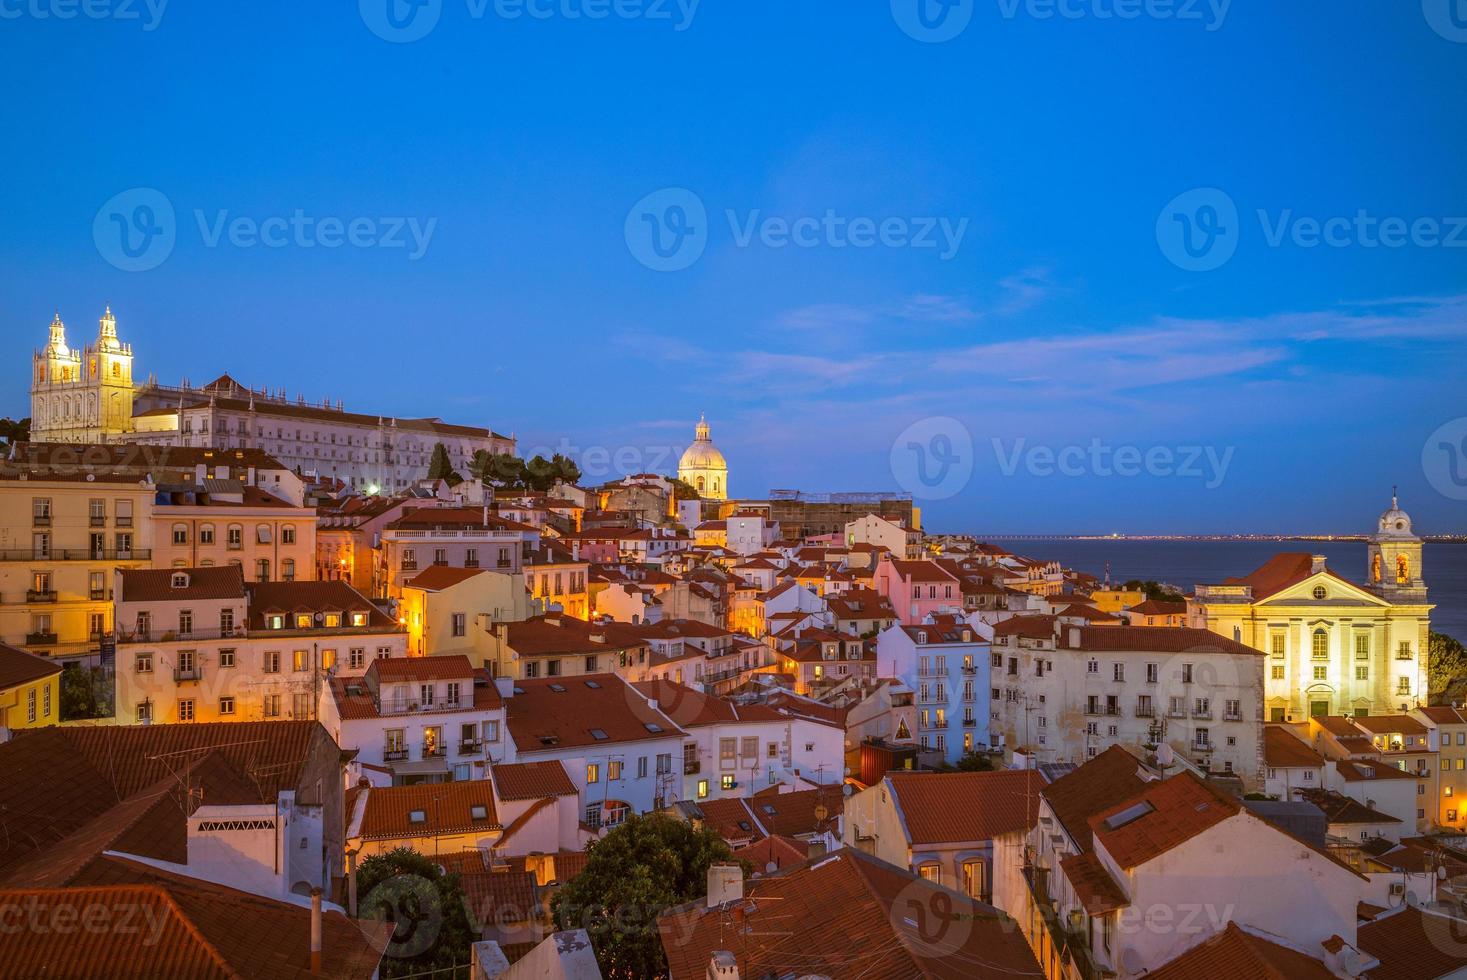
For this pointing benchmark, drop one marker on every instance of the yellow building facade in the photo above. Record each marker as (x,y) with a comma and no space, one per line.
(30,691)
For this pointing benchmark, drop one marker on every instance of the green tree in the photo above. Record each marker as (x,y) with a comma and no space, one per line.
(1154,590)
(1446,667)
(12,432)
(440,468)
(565,468)
(636,872)
(504,471)
(86,692)
(433,929)
(683,490)
(976,761)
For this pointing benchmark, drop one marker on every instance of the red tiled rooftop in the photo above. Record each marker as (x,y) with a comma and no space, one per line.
(948,808)
(442,809)
(531,780)
(1237,953)
(1180,808)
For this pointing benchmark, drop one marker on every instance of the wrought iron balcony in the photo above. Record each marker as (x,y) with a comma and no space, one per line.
(195,673)
(77,554)
(40,639)
(470,747)
(394,755)
(40,595)
(434,751)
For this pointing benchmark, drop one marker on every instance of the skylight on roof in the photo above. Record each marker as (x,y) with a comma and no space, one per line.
(479,812)
(558,688)
(593,685)
(417,816)
(653,727)
(1130,814)
(599,735)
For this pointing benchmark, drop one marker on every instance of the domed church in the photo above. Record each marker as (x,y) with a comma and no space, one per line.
(703,466)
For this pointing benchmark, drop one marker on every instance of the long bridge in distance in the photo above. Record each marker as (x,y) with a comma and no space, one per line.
(1006,536)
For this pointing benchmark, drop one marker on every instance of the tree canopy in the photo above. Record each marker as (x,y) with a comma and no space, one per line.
(1154,590)
(636,872)
(12,432)
(440,467)
(505,471)
(428,907)
(1446,668)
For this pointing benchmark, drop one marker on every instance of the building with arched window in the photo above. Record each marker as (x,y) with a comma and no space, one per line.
(1332,646)
(703,467)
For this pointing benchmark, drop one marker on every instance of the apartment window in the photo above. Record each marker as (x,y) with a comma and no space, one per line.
(300,661)
(1277,673)
(226,658)
(287,570)
(356,658)
(143,664)
(1186,673)
(1118,671)
(262,569)
(206,534)
(642,767)
(97,585)
(532,669)
(1362,673)
(1277,642)
(235,537)
(185,621)
(124,513)
(97,512)
(552,667)
(702,789)
(272,706)
(287,534)
(1320,647)
(613,769)
(41,511)
(143,711)
(30,705)
(452,693)
(180,534)
(1233,709)
(591,664)
(186,709)
(460,624)
(124,544)
(96,625)
(425,695)
(1092,666)
(1202,737)
(271,664)
(226,705)
(1362,646)
(264,534)
(46,702)
(1321,673)
(1403,685)
(1152,672)
(300,704)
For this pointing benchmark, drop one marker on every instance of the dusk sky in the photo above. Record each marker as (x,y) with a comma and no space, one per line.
(1028,288)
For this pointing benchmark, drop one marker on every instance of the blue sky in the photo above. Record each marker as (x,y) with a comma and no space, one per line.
(1287,388)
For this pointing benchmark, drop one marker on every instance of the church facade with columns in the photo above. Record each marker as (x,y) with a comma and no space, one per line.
(1332,645)
(89,395)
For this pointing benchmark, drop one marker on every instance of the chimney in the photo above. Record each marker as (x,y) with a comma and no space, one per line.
(723,966)
(351,880)
(725,884)
(1316,564)
(316,931)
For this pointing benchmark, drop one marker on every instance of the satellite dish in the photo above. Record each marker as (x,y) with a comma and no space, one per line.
(1164,754)
(771,867)
(1441,872)
(1411,900)
(1349,961)
(1131,961)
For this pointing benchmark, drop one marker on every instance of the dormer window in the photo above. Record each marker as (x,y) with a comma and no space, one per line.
(275,622)
(303,621)
(180,580)
(359,619)
(417,816)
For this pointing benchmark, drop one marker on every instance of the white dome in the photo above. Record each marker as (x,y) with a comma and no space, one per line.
(1395,522)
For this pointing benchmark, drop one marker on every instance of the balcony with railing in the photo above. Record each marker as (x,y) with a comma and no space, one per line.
(409,565)
(40,639)
(469,746)
(153,635)
(394,755)
(76,554)
(1072,947)
(434,751)
(1202,747)
(40,520)
(691,767)
(1202,714)
(1232,716)
(40,595)
(1145,711)
(194,673)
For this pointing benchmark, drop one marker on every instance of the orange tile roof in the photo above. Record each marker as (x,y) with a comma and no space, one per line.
(444,808)
(1390,724)
(156,584)
(187,927)
(436,578)
(448,667)
(1151,639)
(502,899)
(846,915)
(1283,750)
(1180,808)
(1106,780)
(565,712)
(949,808)
(1095,889)
(19,667)
(1241,955)
(531,780)
(1412,943)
